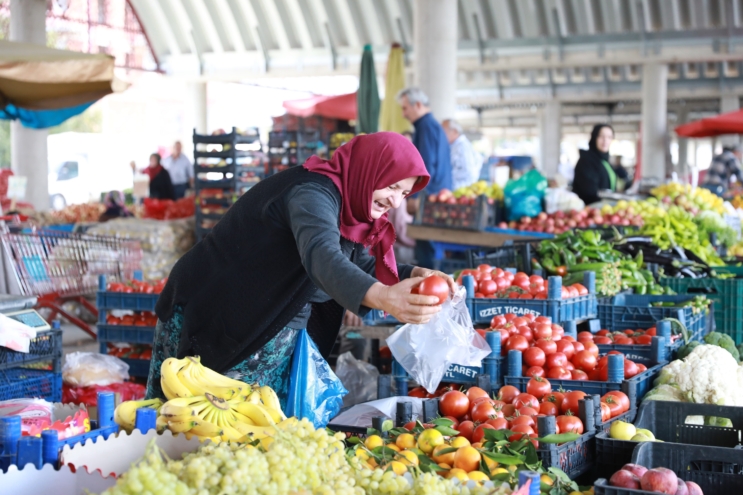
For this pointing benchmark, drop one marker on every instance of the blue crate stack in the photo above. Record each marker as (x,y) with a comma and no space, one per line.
(107,301)
(18,381)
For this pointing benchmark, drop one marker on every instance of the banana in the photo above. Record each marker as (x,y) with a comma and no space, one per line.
(231,434)
(125,413)
(161,424)
(181,426)
(169,381)
(287,423)
(173,409)
(206,429)
(271,401)
(254,432)
(261,416)
(220,380)
(200,380)
(255,397)
(241,418)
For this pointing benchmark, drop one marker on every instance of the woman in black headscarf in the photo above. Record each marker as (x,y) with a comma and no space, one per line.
(593,172)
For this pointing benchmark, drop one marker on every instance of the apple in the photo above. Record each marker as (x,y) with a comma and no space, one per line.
(659,480)
(450,200)
(682,488)
(625,479)
(636,469)
(432,198)
(444,195)
(503,225)
(693,488)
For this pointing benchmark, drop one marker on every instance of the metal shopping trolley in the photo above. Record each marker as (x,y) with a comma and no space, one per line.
(58,267)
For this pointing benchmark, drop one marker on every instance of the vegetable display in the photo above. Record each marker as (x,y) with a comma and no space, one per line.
(497,283)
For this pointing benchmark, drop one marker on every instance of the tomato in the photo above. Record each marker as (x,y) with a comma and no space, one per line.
(605,412)
(570,402)
(578,346)
(510,317)
(566,347)
(528,411)
(538,387)
(641,368)
(498,423)
(534,356)
(615,407)
(497,272)
(483,411)
(112,320)
(557,330)
(630,369)
(488,287)
(585,337)
(466,428)
(535,371)
(530,317)
(568,423)
(419,392)
(520,431)
(508,410)
(559,373)
(599,373)
(497,321)
(525,331)
(146,354)
(582,291)
(508,393)
(644,339)
(479,432)
(623,340)
(557,359)
(517,343)
(475,392)
(622,397)
(578,375)
(548,408)
(603,341)
(555,397)
(523,420)
(434,286)
(547,345)
(584,361)
(127,320)
(526,400)
(651,331)
(520,321)
(454,403)
(569,366)
(455,421)
(542,331)
(484,268)
(592,348)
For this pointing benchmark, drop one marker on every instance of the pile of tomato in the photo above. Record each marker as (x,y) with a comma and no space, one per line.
(547,352)
(627,337)
(137,287)
(129,351)
(493,282)
(140,319)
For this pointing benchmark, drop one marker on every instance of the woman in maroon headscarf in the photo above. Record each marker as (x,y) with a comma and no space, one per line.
(296,251)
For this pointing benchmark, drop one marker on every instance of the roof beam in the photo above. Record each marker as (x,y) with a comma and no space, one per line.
(299,23)
(275,24)
(584,16)
(502,19)
(371,21)
(397,21)
(157,27)
(173,11)
(347,23)
(245,23)
(225,26)
(670,14)
(206,39)
(527,14)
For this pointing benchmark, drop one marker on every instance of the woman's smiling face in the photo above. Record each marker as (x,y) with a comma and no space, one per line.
(391,197)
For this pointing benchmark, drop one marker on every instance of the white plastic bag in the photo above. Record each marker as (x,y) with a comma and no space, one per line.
(359,378)
(426,351)
(83,369)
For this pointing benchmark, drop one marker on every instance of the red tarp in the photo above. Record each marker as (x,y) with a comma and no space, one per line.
(725,123)
(342,107)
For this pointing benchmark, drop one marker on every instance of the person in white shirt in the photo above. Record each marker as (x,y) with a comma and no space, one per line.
(465,161)
(180,169)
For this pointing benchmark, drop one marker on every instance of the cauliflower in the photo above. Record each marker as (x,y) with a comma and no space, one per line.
(709,375)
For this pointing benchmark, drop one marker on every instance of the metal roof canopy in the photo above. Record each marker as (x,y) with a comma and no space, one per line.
(527,50)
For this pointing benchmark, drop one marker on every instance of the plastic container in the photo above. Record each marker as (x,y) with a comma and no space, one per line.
(125,333)
(560,310)
(727,295)
(403,414)
(19,383)
(46,346)
(18,450)
(635,387)
(629,311)
(513,255)
(138,367)
(123,300)
(666,352)
(667,421)
(576,457)
(716,470)
(477,215)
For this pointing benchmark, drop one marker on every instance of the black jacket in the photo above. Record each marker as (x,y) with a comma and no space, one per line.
(591,176)
(259,267)
(161,187)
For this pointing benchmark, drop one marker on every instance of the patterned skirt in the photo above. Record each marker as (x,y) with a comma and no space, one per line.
(271,365)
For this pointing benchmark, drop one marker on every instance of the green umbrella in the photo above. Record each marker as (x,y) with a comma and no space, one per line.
(367,98)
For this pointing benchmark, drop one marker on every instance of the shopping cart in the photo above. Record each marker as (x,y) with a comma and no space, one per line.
(58,267)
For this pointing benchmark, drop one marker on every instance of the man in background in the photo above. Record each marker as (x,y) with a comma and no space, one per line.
(466,163)
(180,169)
(430,139)
(723,169)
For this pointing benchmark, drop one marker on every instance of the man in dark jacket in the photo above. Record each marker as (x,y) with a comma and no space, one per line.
(432,144)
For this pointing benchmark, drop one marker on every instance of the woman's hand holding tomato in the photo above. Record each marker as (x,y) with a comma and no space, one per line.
(398,301)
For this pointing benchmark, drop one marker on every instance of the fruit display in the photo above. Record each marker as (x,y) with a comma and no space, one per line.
(137,319)
(628,337)
(630,210)
(495,282)
(691,199)
(479,188)
(129,351)
(656,480)
(621,430)
(137,287)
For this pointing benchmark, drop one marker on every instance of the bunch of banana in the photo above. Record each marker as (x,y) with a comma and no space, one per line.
(187,377)
(125,413)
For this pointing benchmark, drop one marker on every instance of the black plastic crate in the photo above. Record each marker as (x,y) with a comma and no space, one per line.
(46,346)
(516,255)
(716,470)
(476,214)
(229,138)
(403,413)
(667,421)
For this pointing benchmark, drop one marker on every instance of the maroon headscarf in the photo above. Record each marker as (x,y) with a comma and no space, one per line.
(360,167)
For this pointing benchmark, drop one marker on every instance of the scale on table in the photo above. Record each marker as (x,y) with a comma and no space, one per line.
(20,308)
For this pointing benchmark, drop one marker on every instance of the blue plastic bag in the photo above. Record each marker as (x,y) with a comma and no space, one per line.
(315,392)
(524,195)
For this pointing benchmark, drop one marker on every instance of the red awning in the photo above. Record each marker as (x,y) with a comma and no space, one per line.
(341,107)
(725,123)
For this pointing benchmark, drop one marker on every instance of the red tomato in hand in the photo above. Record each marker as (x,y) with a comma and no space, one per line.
(538,387)
(434,286)
(454,403)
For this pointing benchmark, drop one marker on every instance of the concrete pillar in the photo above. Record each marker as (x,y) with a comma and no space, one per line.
(682,167)
(196,114)
(28,155)
(729,103)
(654,120)
(435,54)
(550,135)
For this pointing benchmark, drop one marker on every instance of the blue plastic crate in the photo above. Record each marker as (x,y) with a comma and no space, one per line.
(630,311)
(138,367)
(665,352)
(122,300)
(125,333)
(46,346)
(560,310)
(635,387)
(19,383)
(377,317)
